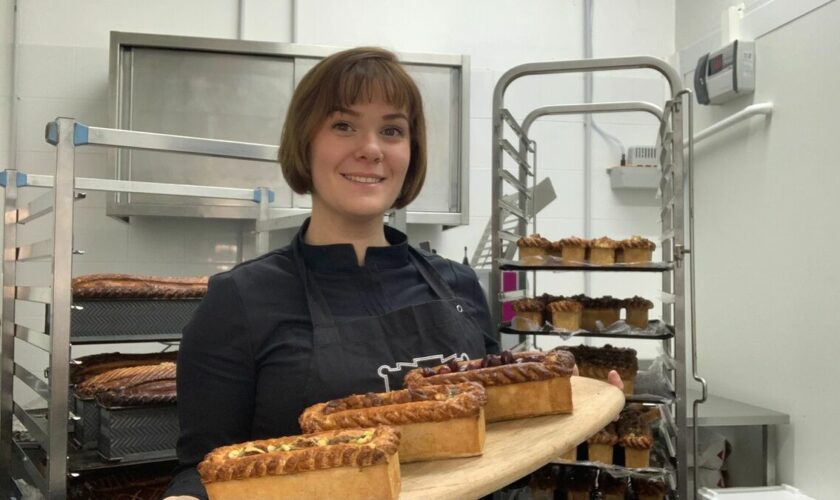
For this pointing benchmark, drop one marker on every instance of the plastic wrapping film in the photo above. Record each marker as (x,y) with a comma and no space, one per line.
(655,383)
(587,480)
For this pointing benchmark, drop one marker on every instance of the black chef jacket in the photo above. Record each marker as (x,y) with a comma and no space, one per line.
(241,322)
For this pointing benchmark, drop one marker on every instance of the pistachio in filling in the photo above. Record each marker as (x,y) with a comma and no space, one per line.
(301,443)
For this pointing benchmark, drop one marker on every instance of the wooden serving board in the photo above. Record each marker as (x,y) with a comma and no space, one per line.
(515,448)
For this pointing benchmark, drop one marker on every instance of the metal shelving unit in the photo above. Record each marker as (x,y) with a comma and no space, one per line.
(520,175)
(47,460)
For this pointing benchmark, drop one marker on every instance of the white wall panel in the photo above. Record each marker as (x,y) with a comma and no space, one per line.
(766,243)
(86,23)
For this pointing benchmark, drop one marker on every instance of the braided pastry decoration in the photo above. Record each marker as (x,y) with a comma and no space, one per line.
(637,242)
(523,367)
(533,241)
(147,393)
(607,436)
(122,378)
(125,286)
(94,364)
(417,404)
(573,241)
(634,431)
(292,454)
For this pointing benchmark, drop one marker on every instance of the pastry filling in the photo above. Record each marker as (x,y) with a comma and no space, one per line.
(301,443)
(489,361)
(373,399)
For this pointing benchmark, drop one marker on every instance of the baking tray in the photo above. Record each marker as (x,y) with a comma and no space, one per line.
(558,265)
(86,428)
(138,433)
(98,321)
(656,330)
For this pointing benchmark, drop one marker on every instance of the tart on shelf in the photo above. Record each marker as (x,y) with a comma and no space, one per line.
(602,251)
(637,311)
(635,434)
(605,309)
(635,250)
(533,249)
(573,249)
(529,314)
(565,314)
(600,446)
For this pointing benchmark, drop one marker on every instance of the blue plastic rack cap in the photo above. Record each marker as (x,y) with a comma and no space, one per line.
(80,134)
(51,133)
(20,179)
(258,196)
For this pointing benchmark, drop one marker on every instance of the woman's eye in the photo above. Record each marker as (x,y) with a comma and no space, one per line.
(393,132)
(342,126)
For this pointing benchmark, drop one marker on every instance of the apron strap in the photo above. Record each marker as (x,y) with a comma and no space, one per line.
(430,274)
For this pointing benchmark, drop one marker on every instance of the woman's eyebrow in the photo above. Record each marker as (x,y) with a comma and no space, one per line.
(346,111)
(395,116)
(389,116)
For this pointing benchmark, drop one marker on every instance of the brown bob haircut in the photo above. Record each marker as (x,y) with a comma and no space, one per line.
(339,81)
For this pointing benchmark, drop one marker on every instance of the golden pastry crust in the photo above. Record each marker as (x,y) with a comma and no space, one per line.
(528,305)
(123,286)
(573,241)
(293,454)
(565,306)
(521,367)
(154,392)
(125,378)
(637,303)
(533,241)
(603,242)
(607,436)
(94,364)
(637,242)
(433,403)
(634,431)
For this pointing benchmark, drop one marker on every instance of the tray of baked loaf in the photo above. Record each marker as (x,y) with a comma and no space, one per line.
(121,307)
(125,404)
(515,448)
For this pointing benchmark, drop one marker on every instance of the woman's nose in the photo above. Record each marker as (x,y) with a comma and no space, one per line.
(369,148)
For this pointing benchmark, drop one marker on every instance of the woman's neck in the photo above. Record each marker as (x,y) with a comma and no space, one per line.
(326,230)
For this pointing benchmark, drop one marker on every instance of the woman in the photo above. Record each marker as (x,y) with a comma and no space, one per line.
(338,310)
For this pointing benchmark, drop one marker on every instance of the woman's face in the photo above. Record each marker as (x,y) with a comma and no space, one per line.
(360,156)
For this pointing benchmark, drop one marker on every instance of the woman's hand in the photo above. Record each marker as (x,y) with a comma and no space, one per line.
(613,378)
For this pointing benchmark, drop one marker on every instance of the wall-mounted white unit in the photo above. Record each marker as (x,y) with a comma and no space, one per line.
(726,73)
(633,177)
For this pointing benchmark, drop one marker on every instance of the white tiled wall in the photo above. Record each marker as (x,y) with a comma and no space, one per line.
(63,71)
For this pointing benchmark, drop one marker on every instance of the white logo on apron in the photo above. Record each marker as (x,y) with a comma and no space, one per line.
(385,371)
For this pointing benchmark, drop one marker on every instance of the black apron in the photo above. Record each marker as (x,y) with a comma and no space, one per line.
(373,353)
